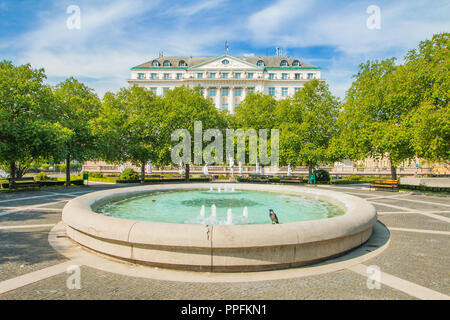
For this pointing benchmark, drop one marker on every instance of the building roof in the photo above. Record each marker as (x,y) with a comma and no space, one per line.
(269,61)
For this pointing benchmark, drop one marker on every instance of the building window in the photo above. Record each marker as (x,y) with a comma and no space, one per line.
(271,76)
(296,63)
(166,63)
(165,91)
(284,92)
(284,76)
(155,63)
(260,63)
(141,76)
(298,76)
(225,61)
(237,75)
(297,89)
(250,90)
(224,92)
(199,75)
(212,75)
(272,91)
(153,76)
(310,76)
(166,76)
(153,90)
(179,76)
(225,106)
(249,75)
(212,92)
(224,75)
(237,92)
(284,63)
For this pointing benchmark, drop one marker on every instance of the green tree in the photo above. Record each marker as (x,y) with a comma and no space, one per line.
(129,128)
(373,121)
(257,111)
(78,105)
(183,107)
(307,125)
(28,121)
(424,85)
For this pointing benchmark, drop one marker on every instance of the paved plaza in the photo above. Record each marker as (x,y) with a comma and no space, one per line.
(414,263)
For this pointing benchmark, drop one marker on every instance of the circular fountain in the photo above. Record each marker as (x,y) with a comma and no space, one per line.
(218,235)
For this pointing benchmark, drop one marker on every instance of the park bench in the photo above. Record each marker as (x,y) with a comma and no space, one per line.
(291,179)
(392,184)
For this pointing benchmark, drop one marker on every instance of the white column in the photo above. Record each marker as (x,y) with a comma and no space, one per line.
(243,93)
(231,99)
(218,104)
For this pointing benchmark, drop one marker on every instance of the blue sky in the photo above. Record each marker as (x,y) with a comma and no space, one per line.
(117,35)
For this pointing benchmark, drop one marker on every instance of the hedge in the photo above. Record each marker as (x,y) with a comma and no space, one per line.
(38,184)
(424,188)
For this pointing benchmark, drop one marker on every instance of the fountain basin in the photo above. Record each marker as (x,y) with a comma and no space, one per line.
(220,247)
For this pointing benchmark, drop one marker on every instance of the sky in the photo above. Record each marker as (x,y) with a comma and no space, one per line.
(116,35)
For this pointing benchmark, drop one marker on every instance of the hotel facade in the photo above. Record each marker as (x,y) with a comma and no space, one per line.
(226,80)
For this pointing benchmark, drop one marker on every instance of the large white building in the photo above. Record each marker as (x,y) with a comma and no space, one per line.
(226,79)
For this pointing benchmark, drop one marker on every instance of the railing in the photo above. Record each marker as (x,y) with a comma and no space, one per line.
(281,171)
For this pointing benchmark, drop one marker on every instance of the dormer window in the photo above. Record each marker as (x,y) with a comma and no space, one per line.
(296,63)
(284,63)
(182,63)
(260,63)
(166,63)
(155,63)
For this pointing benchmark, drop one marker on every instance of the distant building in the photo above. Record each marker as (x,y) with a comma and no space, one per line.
(225,79)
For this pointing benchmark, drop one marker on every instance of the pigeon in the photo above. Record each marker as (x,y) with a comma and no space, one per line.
(273,216)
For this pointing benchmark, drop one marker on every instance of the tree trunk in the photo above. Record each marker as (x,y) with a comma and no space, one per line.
(12,175)
(186,173)
(143,172)
(310,169)
(393,172)
(68,171)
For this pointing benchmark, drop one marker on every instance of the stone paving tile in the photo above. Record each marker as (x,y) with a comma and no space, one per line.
(440,198)
(381,208)
(29,217)
(100,285)
(412,205)
(31,202)
(413,221)
(59,205)
(25,250)
(444,214)
(420,258)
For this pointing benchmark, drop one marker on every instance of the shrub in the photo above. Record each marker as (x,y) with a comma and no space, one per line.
(322,176)
(95,174)
(129,174)
(41,176)
(61,167)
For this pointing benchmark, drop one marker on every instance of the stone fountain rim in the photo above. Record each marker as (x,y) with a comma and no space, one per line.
(79,215)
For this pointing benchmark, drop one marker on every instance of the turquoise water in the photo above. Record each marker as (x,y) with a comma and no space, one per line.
(185,207)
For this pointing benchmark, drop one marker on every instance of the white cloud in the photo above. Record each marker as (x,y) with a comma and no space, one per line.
(189,10)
